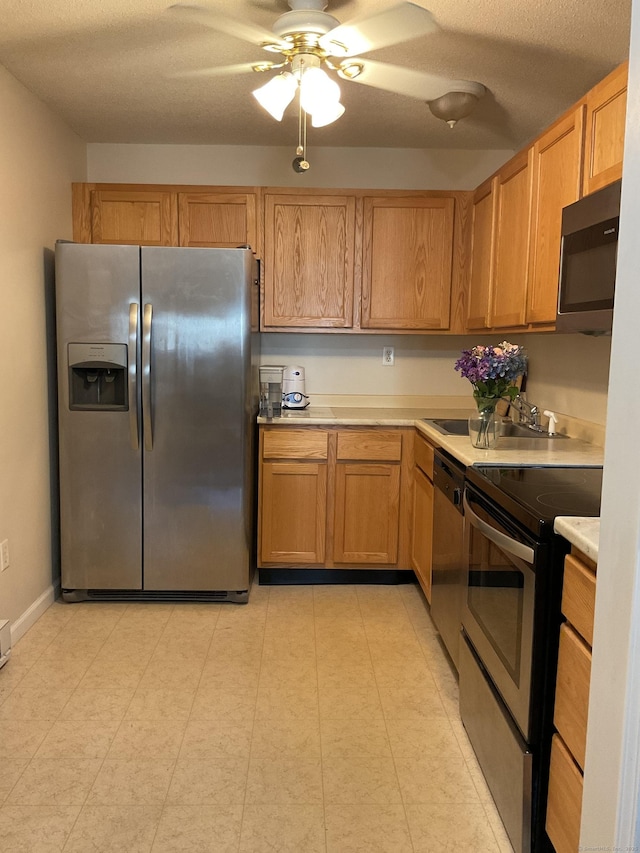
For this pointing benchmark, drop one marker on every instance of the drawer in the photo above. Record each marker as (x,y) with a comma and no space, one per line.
(423,452)
(572,692)
(579,596)
(376,445)
(564,801)
(294,444)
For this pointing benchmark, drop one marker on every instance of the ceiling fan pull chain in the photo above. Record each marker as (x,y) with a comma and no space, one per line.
(300,163)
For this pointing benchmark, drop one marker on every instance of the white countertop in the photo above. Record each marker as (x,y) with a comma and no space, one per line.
(508,451)
(584,533)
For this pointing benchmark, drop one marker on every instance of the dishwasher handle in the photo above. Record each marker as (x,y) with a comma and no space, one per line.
(506,543)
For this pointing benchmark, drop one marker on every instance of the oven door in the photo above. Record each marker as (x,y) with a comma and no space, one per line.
(498,610)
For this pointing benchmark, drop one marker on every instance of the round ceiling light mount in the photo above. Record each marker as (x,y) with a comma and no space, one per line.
(457,104)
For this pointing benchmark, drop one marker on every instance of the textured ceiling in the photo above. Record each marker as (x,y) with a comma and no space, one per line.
(106,67)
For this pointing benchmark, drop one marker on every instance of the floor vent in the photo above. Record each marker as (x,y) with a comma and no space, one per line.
(5,641)
(236,596)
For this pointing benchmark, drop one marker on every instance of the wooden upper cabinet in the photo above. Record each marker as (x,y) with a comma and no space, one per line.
(557,170)
(309,258)
(605,121)
(483,218)
(513,217)
(407,258)
(132,217)
(218,219)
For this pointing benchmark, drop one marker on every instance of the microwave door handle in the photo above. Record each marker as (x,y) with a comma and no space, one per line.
(506,543)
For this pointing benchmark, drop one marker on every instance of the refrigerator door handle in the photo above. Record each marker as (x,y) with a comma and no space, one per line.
(146,376)
(132,376)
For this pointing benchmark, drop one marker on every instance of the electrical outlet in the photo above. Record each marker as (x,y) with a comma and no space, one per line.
(387,356)
(4,554)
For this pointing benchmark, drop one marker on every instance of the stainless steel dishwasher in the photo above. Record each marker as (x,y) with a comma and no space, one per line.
(449,563)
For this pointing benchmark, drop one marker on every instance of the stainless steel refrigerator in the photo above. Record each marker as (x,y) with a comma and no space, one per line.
(157,400)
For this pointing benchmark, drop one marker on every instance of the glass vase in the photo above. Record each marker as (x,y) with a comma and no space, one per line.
(484,429)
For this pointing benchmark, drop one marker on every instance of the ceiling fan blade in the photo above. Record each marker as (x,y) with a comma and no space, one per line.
(215,21)
(405,81)
(223,70)
(399,23)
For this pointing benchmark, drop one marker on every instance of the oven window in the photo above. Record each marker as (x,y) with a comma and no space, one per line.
(495,598)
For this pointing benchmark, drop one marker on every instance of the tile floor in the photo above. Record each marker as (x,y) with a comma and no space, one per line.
(312,720)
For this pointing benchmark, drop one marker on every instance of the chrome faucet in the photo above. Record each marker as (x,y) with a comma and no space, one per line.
(528,413)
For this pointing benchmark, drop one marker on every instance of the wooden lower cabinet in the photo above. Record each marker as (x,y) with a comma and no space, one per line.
(570,717)
(334,497)
(422,514)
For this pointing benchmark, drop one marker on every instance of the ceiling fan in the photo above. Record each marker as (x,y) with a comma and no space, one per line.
(310,40)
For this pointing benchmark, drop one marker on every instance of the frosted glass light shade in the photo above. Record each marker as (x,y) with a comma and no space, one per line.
(326,114)
(317,91)
(276,95)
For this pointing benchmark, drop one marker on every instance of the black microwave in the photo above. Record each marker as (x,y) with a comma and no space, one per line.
(588,256)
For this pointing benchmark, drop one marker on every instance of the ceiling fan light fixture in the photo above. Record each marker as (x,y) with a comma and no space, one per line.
(453,106)
(276,95)
(318,92)
(326,114)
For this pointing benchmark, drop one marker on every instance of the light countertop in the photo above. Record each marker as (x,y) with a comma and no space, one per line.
(571,452)
(584,533)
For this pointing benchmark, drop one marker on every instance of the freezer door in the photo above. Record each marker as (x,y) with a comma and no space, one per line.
(197,469)
(97,298)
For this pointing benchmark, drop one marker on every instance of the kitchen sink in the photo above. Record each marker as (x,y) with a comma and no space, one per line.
(460,426)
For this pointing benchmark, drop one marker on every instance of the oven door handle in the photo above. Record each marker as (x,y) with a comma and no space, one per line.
(511,546)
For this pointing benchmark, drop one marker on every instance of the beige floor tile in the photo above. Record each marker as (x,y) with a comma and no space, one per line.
(348,736)
(108,704)
(133,782)
(11,675)
(36,829)
(160,704)
(55,782)
(12,769)
(360,780)
(401,673)
(231,673)
(220,781)
(287,701)
(284,781)
(411,703)
(198,829)
(423,737)
(34,703)
(346,675)
(224,705)
(208,739)
(361,703)
(20,739)
(109,672)
(450,829)
(500,833)
(171,676)
(148,739)
(79,739)
(290,737)
(285,829)
(427,779)
(367,829)
(64,675)
(114,829)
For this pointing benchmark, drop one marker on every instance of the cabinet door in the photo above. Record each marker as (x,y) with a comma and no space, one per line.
(407,257)
(482,228)
(422,530)
(564,801)
(367,503)
(513,188)
(605,120)
(134,217)
(293,512)
(309,248)
(222,220)
(557,171)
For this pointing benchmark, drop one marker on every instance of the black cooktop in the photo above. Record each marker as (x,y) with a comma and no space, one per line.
(536,495)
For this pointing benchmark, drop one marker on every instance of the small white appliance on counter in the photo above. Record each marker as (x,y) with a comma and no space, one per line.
(293,388)
(5,641)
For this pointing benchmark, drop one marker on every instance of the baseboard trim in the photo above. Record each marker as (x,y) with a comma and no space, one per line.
(31,615)
(274,577)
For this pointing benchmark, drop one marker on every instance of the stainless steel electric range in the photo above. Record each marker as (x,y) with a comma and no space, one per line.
(510,628)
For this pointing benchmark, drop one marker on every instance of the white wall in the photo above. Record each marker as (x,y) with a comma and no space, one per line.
(39,158)
(252,165)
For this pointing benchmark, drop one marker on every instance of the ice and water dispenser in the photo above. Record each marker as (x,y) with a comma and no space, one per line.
(271,390)
(98,377)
